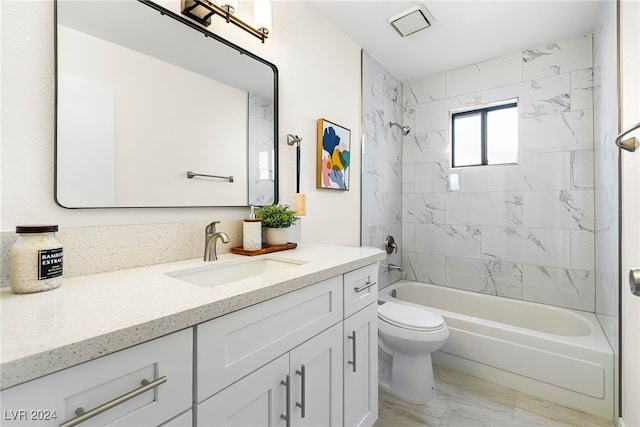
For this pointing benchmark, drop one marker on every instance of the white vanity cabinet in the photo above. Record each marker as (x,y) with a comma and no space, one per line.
(296,336)
(299,388)
(290,361)
(360,288)
(183,420)
(234,345)
(316,380)
(361,367)
(162,367)
(361,346)
(258,399)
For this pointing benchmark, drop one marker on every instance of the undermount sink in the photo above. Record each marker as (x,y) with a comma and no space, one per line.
(219,274)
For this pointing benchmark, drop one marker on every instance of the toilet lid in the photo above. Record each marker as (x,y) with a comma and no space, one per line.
(410,317)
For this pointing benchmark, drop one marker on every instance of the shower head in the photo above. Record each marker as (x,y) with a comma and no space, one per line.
(404,129)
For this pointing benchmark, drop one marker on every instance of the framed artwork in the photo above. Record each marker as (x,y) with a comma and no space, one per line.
(334,156)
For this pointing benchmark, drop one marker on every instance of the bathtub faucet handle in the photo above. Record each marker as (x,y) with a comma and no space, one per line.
(390,245)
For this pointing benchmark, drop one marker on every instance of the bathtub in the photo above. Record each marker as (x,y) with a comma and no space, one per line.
(553,353)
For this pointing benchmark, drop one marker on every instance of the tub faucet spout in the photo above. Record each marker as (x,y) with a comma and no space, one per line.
(393,267)
(211,240)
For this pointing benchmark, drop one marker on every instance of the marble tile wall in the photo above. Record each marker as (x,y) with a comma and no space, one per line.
(381,162)
(524,231)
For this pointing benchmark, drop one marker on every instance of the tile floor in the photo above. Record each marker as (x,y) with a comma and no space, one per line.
(465,401)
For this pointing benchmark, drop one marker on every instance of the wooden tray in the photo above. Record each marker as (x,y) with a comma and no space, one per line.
(266,249)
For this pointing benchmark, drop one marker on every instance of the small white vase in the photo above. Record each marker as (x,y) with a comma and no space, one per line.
(276,236)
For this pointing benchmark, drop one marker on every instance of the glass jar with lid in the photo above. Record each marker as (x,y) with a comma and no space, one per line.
(36,259)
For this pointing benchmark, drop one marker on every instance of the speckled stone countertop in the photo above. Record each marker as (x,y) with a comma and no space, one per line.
(94,315)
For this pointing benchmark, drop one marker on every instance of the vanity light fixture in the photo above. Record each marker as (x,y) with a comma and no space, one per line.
(230,6)
(411,20)
(201,11)
(262,15)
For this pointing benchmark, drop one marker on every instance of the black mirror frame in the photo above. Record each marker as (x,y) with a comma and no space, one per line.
(206,33)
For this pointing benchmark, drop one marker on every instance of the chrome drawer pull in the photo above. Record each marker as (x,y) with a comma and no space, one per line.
(286,383)
(83,416)
(365,286)
(302,404)
(353,346)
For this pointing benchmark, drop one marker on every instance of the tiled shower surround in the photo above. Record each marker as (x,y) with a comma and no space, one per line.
(523,231)
(381,162)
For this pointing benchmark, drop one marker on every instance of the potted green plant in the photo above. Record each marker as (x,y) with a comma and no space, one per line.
(276,219)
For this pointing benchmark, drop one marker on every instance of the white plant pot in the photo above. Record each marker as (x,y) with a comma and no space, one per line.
(276,236)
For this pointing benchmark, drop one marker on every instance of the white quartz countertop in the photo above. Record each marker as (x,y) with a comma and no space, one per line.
(94,315)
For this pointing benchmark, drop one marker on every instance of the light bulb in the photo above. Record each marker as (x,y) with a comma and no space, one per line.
(230,6)
(262,15)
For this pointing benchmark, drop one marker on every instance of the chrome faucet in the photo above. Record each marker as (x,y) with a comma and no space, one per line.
(211,237)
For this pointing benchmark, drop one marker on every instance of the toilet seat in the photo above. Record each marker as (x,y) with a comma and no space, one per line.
(410,317)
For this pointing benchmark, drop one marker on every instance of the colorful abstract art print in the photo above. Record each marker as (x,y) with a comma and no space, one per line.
(334,156)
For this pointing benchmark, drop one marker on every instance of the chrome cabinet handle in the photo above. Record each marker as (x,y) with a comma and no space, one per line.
(302,404)
(84,416)
(367,285)
(287,416)
(353,346)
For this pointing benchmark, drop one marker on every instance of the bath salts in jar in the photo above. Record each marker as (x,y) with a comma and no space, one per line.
(36,259)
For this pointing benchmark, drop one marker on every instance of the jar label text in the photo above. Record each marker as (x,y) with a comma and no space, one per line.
(49,263)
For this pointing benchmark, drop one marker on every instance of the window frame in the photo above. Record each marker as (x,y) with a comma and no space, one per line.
(483,111)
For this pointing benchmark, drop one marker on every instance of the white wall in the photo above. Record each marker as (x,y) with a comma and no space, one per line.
(319,69)
(86,166)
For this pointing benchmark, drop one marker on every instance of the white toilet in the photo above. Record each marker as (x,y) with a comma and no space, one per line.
(407,335)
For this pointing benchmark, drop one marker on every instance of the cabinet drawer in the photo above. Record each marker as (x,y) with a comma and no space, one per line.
(94,383)
(234,345)
(360,288)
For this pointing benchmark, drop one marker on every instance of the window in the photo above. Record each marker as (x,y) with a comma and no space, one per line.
(485,136)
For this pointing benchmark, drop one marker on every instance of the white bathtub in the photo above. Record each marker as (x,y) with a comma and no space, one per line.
(554,353)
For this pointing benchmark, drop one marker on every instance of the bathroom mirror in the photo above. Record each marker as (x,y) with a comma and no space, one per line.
(145,96)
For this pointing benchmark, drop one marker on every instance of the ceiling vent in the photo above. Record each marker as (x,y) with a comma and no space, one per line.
(411,20)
